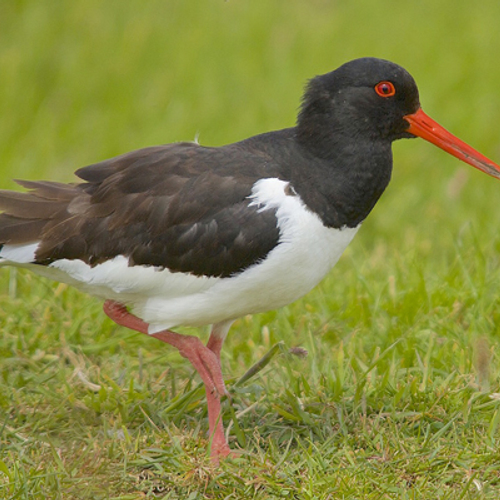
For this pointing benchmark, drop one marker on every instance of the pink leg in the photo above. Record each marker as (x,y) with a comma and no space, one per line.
(205,360)
(217,337)
(214,344)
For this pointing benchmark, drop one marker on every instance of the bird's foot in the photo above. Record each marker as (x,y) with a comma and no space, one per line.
(205,361)
(220,449)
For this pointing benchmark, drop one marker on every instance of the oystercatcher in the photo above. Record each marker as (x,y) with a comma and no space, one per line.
(183,234)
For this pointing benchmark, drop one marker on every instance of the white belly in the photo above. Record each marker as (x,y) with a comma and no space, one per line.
(307,250)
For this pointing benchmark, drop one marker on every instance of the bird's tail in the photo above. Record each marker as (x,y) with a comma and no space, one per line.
(28,216)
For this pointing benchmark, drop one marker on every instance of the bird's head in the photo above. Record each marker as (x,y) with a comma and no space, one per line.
(377,100)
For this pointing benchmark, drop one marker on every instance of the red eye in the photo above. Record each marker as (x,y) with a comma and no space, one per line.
(385,89)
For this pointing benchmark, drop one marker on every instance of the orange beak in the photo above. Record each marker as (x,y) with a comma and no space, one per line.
(423,126)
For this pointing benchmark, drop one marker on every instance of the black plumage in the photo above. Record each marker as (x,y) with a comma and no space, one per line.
(186,207)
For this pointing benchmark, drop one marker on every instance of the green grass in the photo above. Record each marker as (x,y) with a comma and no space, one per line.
(399,397)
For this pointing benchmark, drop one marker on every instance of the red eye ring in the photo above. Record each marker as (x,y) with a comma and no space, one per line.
(385,89)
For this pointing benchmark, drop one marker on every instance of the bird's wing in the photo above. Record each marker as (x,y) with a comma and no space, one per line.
(181,207)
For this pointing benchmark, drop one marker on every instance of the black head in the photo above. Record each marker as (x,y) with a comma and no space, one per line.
(366,97)
(373,100)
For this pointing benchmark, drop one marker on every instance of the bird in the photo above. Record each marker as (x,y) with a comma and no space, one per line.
(189,235)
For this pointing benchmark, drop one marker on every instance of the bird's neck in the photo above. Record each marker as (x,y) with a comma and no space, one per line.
(343,186)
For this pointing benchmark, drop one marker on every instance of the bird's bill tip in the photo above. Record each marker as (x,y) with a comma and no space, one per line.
(422,125)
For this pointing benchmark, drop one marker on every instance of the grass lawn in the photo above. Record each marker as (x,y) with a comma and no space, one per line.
(399,395)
